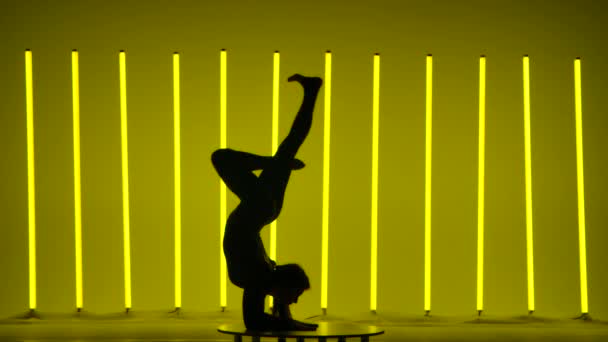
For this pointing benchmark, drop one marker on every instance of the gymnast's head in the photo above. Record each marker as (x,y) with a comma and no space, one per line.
(289,281)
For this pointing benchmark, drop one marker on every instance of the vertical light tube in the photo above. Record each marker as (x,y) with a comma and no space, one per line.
(275,139)
(275,146)
(374,214)
(528,152)
(31,198)
(427,189)
(326,150)
(125,178)
(581,185)
(177,180)
(222,185)
(481,181)
(77,185)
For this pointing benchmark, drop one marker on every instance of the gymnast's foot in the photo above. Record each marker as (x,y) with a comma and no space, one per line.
(309,83)
(297,164)
(293,164)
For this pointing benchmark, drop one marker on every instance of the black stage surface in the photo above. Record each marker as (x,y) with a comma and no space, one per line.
(190,327)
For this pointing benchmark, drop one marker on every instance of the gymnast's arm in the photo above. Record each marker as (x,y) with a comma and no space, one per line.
(282,310)
(254,316)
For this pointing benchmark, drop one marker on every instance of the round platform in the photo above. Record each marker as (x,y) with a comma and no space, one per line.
(326,330)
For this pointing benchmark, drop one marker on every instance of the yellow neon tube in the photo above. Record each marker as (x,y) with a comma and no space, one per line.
(275,140)
(275,146)
(581,185)
(31,199)
(77,188)
(427,191)
(481,180)
(223,271)
(375,133)
(177,179)
(325,228)
(125,178)
(530,244)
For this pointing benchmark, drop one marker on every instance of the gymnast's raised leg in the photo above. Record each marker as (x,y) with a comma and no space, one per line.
(236,167)
(275,177)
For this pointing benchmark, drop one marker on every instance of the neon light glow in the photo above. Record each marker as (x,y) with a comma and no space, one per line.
(77,185)
(223,272)
(481,177)
(580,185)
(325,228)
(374,229)
(275,146)
(427,189)
(275,140)
(530,244)
(125,178)
(177,179)
(375,133)
(31,198)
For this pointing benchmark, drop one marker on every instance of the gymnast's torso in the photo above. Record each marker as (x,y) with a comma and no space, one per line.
(246,258)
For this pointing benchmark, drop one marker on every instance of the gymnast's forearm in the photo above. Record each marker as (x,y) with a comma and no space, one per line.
(253,312)
(281,310)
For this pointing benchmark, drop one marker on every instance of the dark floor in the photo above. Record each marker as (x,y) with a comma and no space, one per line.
(202,327)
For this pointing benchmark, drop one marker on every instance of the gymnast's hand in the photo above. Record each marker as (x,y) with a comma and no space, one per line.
(312,325)
(297,325)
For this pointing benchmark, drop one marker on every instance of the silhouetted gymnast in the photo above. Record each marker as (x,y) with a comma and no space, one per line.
(249,267)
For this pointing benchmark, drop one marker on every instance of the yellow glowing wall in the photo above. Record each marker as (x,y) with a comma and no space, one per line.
(458,33)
